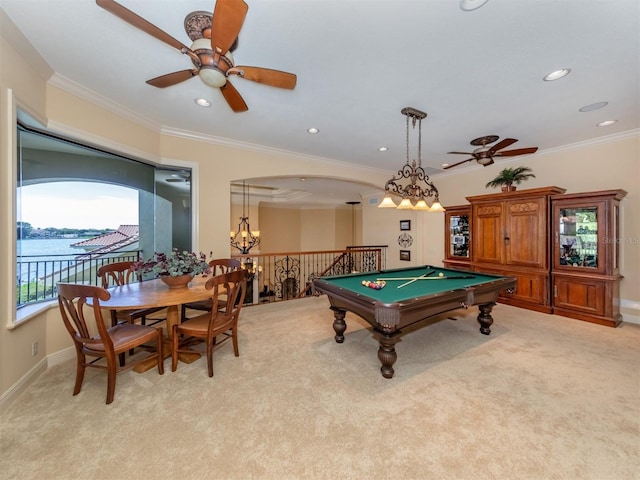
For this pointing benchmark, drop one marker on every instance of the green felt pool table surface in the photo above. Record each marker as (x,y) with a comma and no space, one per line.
(434,284)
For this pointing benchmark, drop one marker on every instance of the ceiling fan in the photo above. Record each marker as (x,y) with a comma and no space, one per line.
(213,36)
(484,155)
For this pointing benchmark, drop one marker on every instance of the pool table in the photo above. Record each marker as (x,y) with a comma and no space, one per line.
(409,296)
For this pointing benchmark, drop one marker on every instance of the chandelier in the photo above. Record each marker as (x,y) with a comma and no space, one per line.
(244,239)
(417,187)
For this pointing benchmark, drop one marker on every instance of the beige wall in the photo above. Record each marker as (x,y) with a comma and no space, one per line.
(591,167)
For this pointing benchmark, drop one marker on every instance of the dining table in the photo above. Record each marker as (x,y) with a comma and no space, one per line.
(155,293)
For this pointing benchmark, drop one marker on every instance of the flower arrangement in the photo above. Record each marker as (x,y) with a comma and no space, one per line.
(175,264)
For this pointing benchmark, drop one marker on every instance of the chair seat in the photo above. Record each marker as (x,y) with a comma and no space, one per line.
(198,326)
(125,336)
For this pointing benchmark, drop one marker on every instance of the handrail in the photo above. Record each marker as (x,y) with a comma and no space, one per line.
(289,275)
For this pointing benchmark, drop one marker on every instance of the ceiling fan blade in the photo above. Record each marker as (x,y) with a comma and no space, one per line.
(233,98)
(462,153)
(456,164)
(228,17)
(519,151)
(274,78)
(169,79)
(139,22)
(502,144)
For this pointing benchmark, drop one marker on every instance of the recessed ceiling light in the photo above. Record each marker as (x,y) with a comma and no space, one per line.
(594,106)
(202,102)
(606,123)
(313,130)
(303,179)
(556,75)
(383,149)
(468,5)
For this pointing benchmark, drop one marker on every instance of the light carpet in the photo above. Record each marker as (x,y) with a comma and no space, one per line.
(542,397)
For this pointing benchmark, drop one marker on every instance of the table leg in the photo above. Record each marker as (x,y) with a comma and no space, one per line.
(173,318)
(387,353)
(339,325)
(484,318)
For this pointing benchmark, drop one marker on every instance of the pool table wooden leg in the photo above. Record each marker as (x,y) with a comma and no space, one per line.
(339,325)
(485,318)
(387,354)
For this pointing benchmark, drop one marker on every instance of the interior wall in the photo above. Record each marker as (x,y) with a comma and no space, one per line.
(280,229)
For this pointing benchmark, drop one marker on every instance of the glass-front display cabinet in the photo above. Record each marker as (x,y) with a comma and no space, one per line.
(586,255)
(457,240)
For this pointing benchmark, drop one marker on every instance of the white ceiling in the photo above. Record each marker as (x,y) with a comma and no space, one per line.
(358,63)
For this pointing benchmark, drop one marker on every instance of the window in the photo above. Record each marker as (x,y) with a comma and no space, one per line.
(147,192)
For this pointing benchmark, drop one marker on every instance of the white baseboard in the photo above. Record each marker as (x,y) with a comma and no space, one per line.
(630,305)
(29,377)
(22,384)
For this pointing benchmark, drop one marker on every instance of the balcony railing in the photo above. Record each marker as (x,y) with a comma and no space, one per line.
(274,276)
(37,275)
(285,276)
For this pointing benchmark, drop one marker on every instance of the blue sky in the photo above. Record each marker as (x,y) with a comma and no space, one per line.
(77,205)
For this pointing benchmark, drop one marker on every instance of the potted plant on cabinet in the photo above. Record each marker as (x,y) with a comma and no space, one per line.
(508,178)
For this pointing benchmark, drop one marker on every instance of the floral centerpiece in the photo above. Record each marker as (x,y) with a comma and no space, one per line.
(176,264)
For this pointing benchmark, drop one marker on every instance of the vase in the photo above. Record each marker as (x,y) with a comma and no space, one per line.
(177,282)
(509,188)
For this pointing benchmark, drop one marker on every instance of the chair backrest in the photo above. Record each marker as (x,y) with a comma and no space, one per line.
(224,265)
(72,300)
(235,285)
(118,273)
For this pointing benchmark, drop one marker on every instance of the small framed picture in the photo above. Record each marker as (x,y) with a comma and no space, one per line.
(405,255)
(405,224)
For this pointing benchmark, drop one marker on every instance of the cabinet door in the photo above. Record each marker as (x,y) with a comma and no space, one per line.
(585,295)
(525,242)
(487,235)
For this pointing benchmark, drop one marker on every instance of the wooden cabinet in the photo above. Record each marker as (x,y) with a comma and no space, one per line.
(586,255)
(457,238)
(510,234)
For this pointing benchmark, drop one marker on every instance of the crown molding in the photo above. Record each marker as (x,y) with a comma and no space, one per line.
(89,95)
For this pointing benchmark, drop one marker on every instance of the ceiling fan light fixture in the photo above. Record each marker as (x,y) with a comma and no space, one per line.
(212,76)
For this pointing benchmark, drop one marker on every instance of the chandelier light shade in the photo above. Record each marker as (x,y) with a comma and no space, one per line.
(412,183)
(244,239)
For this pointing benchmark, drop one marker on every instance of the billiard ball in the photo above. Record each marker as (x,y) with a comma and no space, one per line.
(441,274)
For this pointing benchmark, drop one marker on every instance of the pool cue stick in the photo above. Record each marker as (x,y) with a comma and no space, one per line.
(417,278)
(427,278)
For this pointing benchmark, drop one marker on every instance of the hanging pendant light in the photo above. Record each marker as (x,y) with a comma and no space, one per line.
(244,239)
(418,187)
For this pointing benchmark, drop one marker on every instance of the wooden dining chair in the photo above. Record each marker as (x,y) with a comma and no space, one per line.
(120,273)
(222,320)
(218,267)
(92,338)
